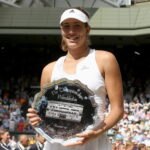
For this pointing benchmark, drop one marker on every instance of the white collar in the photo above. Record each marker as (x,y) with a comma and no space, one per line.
(4,145)
(21,147)
(39,145)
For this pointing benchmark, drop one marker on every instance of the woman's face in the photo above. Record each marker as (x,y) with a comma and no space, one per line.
(74,33)
(5,137)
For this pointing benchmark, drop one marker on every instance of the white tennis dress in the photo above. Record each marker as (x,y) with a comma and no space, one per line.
(88,73)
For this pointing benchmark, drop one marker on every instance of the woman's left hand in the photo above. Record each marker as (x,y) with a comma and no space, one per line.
(84,138)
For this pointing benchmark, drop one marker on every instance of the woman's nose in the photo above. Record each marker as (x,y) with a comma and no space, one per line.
(71,30)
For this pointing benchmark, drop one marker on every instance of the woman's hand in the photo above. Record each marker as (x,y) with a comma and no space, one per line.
(33,117)
(84,137)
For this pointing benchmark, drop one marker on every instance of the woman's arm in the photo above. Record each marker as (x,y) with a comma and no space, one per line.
(113,82)
(34,119)
(46,74)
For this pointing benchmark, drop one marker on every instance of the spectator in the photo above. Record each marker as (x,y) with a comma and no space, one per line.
(23,143)
(39,145)
(4,140)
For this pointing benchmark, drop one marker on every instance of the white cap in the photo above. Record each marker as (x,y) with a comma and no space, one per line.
(74,13)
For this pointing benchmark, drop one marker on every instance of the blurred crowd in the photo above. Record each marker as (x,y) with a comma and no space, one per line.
(131,133)
(20,142)
(16,97)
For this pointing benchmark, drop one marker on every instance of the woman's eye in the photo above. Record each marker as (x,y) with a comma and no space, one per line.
(65,26)
(77,26)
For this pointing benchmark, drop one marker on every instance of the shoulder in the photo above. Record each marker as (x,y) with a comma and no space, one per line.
(105,60)
(49,66)
(46,73)
(47,70)
(104,55)
(1,148)
(17,147)
(33,147)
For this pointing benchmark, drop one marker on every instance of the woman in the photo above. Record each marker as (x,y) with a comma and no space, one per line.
(98,70)
(4,139)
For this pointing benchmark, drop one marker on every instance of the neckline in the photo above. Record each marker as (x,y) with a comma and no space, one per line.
(78,66)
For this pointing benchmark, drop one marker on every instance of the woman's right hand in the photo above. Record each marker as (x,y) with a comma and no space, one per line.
(33,117)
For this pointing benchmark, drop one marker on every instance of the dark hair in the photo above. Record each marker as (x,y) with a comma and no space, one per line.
(63,44)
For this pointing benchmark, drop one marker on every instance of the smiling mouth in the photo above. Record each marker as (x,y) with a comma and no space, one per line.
(74,39)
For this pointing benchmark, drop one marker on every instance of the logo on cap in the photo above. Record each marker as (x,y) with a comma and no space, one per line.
(71,11)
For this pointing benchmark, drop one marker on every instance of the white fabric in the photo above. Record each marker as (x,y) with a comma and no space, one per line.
(74,13)
(88,73)
(100,143)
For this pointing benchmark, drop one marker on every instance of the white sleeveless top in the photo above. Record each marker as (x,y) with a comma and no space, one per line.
(88,73)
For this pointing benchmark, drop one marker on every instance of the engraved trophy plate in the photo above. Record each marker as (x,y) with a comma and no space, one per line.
(66,108)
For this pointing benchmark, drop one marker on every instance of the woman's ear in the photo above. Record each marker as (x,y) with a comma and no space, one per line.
(88,29)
